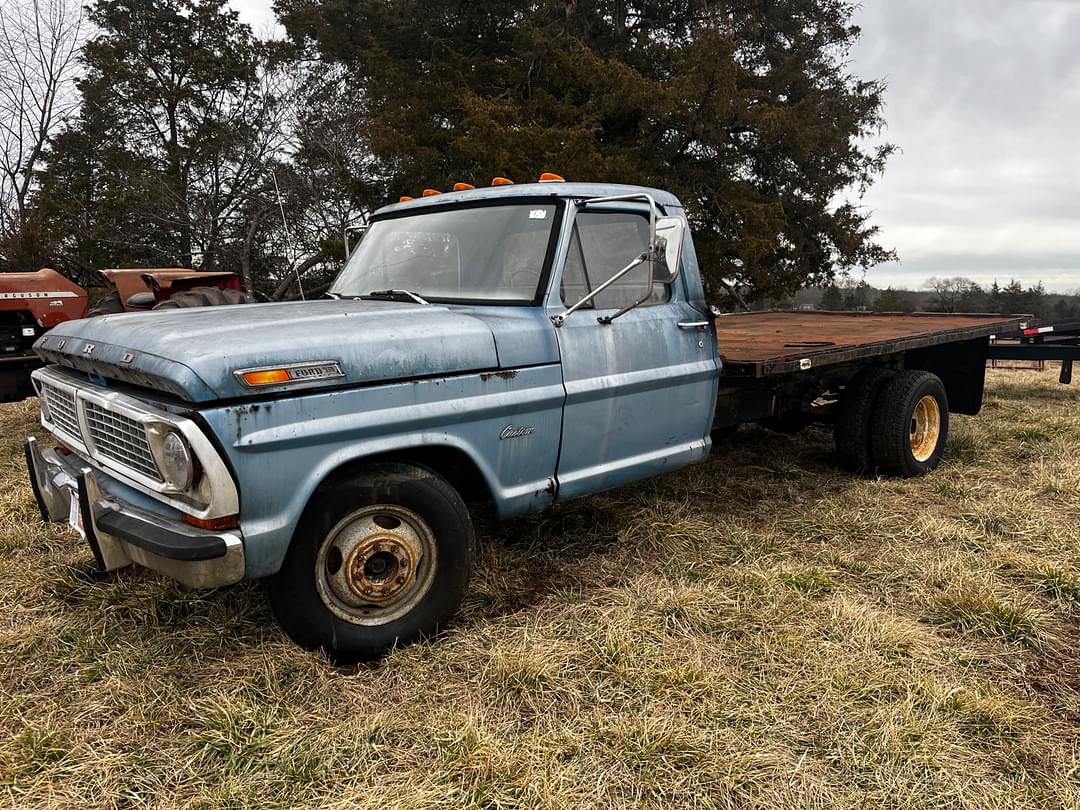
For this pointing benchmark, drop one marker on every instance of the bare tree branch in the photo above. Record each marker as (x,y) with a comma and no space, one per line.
(39,45)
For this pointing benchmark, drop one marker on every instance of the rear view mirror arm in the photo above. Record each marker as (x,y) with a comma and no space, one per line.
(559,319)
(627,308)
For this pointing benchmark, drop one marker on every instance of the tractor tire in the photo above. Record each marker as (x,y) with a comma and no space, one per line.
(106,305)
(854,413)
(910,425)
(204,297)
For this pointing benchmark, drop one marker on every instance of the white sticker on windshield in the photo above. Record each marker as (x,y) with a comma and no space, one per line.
(538,213)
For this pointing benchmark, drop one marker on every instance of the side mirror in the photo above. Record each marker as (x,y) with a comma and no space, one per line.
(667,252)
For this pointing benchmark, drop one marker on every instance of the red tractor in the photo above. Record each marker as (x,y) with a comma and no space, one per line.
(33,303)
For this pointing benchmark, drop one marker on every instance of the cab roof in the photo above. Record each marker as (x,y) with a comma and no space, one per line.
(558,190)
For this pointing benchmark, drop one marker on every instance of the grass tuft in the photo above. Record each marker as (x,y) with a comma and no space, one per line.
(978,607)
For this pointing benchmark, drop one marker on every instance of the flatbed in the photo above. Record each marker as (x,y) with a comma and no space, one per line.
(763,344)
(787,369)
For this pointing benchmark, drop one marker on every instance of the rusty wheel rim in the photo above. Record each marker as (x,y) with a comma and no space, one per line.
(925,428)
(376,564)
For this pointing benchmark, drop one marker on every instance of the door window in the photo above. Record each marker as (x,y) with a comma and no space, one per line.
(602,245)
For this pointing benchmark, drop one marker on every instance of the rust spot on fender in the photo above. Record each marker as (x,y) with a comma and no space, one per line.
(502,375)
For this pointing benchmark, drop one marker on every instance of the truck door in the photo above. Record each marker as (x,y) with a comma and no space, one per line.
(640,390)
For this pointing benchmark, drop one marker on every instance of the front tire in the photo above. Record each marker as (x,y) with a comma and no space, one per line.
(910,424)
(379,559)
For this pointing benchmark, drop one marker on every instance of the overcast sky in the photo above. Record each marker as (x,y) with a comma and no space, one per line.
(984,101)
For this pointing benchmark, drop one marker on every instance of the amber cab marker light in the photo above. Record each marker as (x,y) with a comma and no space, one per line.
(406,199)
(431,192)
(213,524)
(502,181)
(551,177)
(266,377)
(463,186)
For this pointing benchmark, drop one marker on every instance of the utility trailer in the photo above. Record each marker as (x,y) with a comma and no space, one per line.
(1055,341)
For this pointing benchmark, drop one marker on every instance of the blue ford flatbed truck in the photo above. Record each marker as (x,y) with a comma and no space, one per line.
(514,346)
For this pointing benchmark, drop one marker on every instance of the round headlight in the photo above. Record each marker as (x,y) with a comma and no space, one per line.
(176,462)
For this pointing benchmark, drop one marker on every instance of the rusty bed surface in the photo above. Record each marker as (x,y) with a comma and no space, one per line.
(778,341)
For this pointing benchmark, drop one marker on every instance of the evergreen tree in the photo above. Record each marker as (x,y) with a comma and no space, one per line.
(832,300)
(746,110)
(890,300)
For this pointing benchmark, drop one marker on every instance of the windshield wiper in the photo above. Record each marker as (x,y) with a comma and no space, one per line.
(396,294)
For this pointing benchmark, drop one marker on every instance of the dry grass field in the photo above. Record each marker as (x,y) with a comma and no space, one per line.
(758,631)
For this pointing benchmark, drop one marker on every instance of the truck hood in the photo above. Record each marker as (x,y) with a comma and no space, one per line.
(193,353)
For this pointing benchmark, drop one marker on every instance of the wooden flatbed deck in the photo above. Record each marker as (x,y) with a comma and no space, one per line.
(778,342)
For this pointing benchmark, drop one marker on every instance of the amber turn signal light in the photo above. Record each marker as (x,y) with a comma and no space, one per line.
(431,192)
(551,177)
(463,186)
(502,181)
(213,524)
(266,376)
(406,199)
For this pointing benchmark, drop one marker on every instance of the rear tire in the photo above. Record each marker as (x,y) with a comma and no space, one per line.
(911,424)
(854,415)
(204,297)
(398,532)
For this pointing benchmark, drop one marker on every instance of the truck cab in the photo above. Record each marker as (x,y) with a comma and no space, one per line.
(517,345)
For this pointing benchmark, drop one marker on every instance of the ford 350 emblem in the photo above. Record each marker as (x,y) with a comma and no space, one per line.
(511,432)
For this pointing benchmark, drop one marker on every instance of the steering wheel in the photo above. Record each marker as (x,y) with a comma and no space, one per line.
(525,277)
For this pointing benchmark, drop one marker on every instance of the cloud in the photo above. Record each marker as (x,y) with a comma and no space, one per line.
(984,100)
(259,14)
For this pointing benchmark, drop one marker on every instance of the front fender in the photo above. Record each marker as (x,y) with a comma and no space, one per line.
(281,449)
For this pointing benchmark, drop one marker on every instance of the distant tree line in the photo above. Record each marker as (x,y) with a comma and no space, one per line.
(954,294)
(165,132)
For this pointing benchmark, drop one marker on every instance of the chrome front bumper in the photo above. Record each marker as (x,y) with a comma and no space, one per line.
(119,534)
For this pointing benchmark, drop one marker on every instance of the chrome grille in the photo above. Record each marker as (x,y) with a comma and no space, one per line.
(121,439)
(62,411)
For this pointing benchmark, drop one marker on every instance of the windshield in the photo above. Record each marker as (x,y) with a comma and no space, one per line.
(492,253)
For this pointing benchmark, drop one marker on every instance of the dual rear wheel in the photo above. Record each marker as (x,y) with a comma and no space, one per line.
(896,423)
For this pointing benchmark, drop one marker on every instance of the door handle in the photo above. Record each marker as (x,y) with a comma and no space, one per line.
(693,324)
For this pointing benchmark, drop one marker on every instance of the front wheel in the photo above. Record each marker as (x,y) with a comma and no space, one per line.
(380,559)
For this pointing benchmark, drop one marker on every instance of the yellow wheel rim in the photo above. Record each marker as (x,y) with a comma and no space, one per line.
(925,428)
